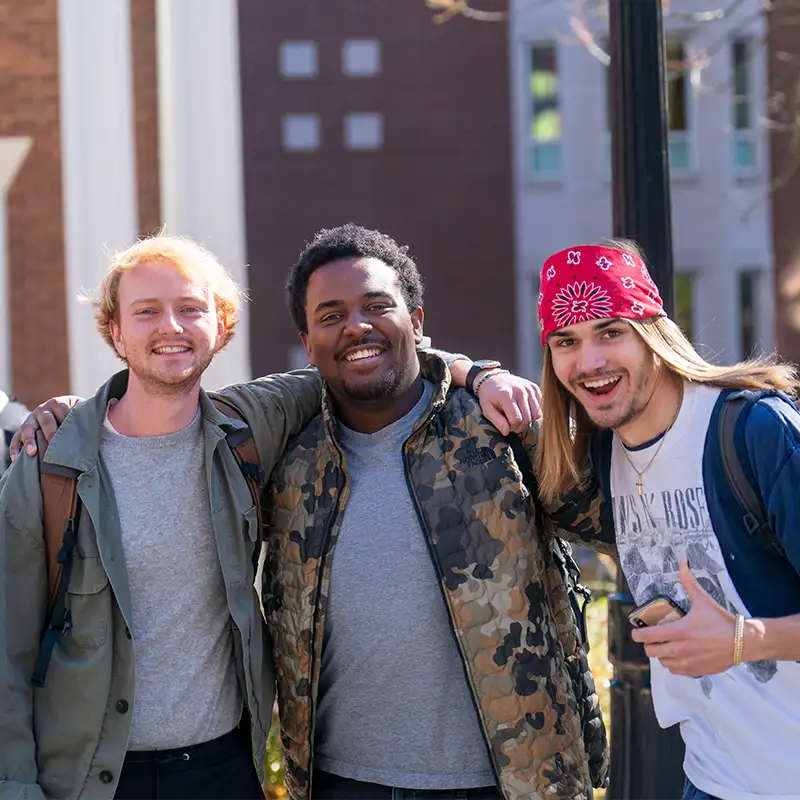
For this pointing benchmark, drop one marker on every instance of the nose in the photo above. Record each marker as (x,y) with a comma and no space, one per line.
(591,358)
(357,325)
(169,323)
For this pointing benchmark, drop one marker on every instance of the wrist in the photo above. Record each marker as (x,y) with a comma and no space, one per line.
(755,641)
(477,371)
(486,375)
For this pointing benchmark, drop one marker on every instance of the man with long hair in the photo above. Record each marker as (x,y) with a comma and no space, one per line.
(624,387)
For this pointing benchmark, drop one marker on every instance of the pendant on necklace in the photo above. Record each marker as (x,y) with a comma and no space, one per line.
(639,484)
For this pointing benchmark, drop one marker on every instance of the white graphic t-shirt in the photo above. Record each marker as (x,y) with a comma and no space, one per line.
(741,727)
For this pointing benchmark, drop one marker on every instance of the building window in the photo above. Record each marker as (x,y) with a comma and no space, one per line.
(545,117)
(684,303)
(744,139)
(748,314)
(363,131)
(678,107)
(298,59)
(361,58)
(301,133)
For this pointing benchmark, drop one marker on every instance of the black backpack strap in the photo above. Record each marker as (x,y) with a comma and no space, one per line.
(562,551)
(61,516)
(732,419)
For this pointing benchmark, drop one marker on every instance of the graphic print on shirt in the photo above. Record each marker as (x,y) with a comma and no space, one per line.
(655,532)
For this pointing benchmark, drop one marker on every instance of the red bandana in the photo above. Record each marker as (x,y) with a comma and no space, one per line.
(592,282)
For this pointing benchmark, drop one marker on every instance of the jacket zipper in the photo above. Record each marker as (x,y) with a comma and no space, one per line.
(440,581)
(317,612)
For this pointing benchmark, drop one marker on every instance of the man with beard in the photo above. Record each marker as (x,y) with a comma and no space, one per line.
(425,645)
(622,381)
(144,693)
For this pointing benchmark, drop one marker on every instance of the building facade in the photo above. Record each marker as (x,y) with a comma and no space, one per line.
(719,163)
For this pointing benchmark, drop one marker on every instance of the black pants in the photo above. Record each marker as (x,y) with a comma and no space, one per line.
(222,768)
(332,787)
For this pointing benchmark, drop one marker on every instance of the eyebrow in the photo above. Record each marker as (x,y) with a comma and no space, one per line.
(186,299)
(600,326)
(366,296)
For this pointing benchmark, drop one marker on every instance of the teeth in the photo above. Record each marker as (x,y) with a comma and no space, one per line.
(600,383)
(359,354)
(172,349)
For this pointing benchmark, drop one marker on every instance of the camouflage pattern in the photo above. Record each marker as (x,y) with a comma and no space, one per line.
(508,607)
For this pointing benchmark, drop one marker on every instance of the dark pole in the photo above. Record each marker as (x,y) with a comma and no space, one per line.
(646,761)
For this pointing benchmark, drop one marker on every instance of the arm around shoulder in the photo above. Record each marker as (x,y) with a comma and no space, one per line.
(276,407)
(23,590)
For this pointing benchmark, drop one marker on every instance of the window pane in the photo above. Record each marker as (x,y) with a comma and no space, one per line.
(547,157)
(684,304)
(545,111)
(680,153)
(744,153)
(747,313)
(741,85)
(677,87)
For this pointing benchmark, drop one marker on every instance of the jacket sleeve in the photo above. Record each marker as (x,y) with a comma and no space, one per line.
(23,588)
(772,436)
(276,407)
(581,515)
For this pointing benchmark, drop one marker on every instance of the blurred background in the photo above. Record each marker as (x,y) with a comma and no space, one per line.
(475,131)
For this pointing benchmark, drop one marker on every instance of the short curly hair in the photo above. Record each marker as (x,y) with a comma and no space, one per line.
(189,258)
(350,241)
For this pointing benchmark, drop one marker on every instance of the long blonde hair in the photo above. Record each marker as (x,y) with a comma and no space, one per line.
(566,429)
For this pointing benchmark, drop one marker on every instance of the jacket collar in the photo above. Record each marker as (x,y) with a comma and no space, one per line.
(76,444)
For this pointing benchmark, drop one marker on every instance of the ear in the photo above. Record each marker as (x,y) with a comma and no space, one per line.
(116,337)
(417,318)
(221,331)
(307,344)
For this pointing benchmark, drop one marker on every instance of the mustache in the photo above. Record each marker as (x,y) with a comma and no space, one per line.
(593,376)
(340,354)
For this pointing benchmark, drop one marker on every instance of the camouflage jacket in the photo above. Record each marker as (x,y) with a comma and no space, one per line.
(508,606)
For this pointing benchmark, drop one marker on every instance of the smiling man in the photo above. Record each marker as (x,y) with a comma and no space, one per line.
(621,381)
(161,682)
(425,646)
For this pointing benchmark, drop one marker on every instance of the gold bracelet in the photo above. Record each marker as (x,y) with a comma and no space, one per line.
(738,641)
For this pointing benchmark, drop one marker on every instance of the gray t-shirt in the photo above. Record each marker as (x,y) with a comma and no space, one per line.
(394,705)
(186,689)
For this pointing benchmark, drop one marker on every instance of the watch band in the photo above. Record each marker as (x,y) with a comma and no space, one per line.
(476,368)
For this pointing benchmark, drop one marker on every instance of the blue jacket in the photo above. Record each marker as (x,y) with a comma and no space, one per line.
(769,450)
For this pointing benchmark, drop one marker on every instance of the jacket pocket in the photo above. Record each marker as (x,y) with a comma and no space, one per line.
(87,599)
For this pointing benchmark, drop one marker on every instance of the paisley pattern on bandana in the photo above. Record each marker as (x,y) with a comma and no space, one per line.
(590,282)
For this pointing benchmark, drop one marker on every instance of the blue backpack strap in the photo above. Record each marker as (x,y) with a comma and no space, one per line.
(731,430)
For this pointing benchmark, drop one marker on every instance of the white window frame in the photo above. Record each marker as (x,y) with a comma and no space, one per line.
(531,143)
(749,135)
(687,137)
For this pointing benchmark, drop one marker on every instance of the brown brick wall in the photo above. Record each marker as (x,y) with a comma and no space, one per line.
(441,183)
(784,98)
(29,106)
(145,93)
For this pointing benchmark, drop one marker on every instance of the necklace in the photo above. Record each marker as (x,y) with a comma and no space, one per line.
(640,473)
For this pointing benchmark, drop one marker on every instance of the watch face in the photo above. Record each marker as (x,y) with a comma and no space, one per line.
(489,364)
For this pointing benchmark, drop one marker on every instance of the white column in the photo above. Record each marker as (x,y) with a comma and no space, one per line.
(99,170)
(202,187)
(13,150)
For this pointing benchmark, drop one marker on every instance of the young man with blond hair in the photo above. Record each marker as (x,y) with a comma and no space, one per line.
(623,385)
(162,685)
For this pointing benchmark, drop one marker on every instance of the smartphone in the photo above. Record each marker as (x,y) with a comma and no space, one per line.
(654,612)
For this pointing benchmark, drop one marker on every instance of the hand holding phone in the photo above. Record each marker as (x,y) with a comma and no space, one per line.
(655,612)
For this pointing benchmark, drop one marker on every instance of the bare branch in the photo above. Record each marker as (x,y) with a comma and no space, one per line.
(452,8)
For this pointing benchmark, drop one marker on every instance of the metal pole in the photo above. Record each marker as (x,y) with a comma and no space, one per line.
(646,761)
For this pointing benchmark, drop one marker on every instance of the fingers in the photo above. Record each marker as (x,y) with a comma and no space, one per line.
(497,418)
(15,446)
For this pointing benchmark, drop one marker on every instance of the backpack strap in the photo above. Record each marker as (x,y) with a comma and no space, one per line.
(562,551)
(732,419)
(61,513)
(245,452)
